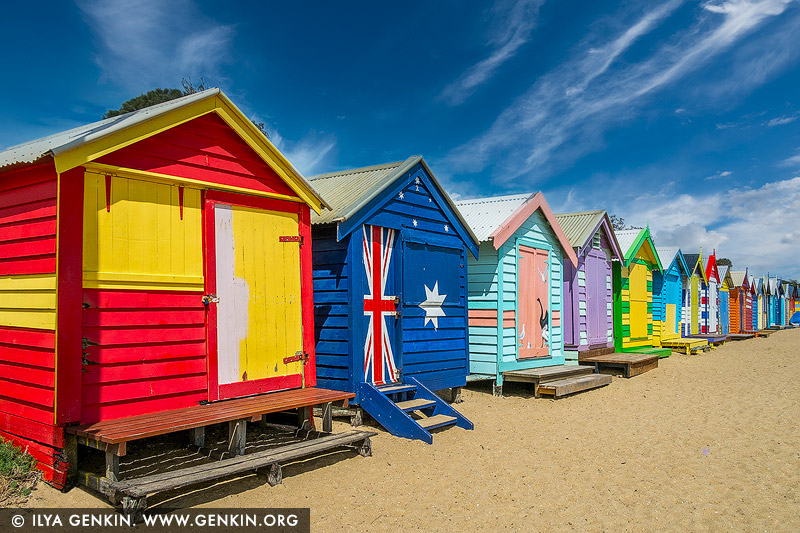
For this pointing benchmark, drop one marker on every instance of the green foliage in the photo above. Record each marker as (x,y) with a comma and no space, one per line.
(724,261)
(18,473)
(156,96)
(617,222)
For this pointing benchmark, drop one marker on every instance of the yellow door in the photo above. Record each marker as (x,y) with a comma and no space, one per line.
(259,322)
(671,327)
(637,284)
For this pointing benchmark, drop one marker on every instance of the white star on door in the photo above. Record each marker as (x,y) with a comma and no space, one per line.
(433,305)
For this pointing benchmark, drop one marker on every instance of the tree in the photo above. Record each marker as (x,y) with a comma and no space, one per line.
(617,222)
(156,96)
(724,261)
(159,96)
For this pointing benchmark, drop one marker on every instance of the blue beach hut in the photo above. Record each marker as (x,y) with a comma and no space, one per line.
(390,294)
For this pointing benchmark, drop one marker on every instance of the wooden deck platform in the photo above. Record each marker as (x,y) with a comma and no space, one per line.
(558,380)
(586,354)
(740,336)
(631,364)
(759,333)
(661,352)
(686,345)
(713,339)
(112,436)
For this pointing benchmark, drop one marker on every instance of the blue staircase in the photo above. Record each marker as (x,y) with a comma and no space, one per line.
(409,409)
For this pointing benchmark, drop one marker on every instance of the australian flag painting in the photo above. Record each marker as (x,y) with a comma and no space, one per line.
(379,363)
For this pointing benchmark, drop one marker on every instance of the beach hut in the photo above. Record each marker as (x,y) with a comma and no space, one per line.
(633,293)
(516,299)
(726,287)
(759,314)
(667,302)
(390,294)
(693,291)
(712,295)
(152,262)
(741,308)
(588,315)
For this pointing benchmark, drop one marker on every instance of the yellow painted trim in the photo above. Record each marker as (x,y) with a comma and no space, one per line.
(28,301)
(40,282)
(123,280)
(226,110)
(110,143)
(145,175)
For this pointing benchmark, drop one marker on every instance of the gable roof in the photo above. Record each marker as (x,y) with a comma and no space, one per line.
(580,227)
(711,266)
(496,218)
(670,254)
(739,278)
(695,261)
(349,192)
(72,148)
(631,240)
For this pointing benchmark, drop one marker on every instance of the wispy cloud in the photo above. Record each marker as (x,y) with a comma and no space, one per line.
(142,44)
(566,112)
(513,22)
(780,121)
(793,161)
(310,155)
(719,175)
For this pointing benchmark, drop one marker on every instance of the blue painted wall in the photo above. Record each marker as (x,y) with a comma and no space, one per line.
(428,250)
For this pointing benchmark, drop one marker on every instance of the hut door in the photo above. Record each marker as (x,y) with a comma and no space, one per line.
(533,303)
(254,300)
(712,306)
(381,364)
(637,285)
(695,305)
(596,306)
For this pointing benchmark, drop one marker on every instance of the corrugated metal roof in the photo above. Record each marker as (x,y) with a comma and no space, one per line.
(579,227)
(723,271)
(35,150)
(738,277)
(348,190)
(666,254)
(486,215)
(691,260)
(626,238)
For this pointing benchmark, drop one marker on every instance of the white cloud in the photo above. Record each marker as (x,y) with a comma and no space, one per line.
(749,226)
(142,44)
(513,22)
(780,121)
(793,161)
(310,154)
(565,113)
(718,175)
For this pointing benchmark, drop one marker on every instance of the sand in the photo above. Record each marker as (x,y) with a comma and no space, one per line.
(707,442)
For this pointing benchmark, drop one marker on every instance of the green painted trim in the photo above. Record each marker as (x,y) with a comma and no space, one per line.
(616,286)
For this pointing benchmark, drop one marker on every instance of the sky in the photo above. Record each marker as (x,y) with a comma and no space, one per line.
(680,115)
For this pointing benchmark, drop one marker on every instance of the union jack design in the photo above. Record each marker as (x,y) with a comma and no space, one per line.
(379,365)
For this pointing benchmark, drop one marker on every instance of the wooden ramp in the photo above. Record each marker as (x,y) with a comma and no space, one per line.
(631,364)
(711,338)
(740,336)
(689,346)
(559,380)
(661,352)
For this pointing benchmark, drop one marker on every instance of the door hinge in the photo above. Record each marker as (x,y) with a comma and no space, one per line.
(291,238)
(298,356)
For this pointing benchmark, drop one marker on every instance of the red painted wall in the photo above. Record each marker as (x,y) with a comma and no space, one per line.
(27,356)
(150,352)
(203,149)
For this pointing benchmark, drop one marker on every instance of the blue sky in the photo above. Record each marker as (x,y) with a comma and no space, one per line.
(681,114)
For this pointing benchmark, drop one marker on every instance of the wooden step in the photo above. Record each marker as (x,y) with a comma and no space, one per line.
(631,364)
(396,389)
(546,373)
(571,385)
(414,405)
(436,421)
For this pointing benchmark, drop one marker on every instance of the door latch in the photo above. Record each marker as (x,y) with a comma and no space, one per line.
(210,299)
(298,356)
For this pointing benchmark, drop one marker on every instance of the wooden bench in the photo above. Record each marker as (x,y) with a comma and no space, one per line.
(112,436)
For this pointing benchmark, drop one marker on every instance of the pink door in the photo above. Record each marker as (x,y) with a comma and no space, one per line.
(533,303)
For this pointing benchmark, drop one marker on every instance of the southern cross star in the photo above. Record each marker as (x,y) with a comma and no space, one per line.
(433,305)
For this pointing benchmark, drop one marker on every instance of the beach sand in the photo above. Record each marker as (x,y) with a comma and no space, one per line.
(706,443)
